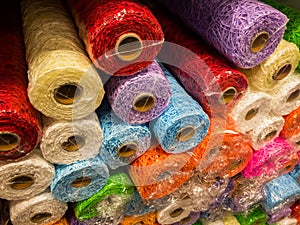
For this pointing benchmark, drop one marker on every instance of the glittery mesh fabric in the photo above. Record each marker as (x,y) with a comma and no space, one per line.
(102,22)
(190,220)
(147,219)
(201,70)
(230,26)
(17,116)
(253,216)
(122,92)
(291,125)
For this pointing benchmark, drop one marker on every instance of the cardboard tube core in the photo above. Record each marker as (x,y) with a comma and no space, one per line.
(22,182)
(235,164)
(270,135)
(186,133)
(288,167)
(251,114)
(41,217)
(228,95)
(259,41)
(67,94)
(8,141)
(129,47)
(292,97)
(176,212)
(282,72)
(127,150)
(73,144)
(144,102)
(81,182)
(186,220)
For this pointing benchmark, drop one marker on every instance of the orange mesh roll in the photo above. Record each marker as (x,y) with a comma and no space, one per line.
(291,126)
(147,219)
(158,173)
(63,221)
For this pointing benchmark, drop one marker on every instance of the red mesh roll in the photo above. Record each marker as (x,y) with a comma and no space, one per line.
(158,173)
(205,74)
(296,209)
(20,128)
(103,24)
(291,126)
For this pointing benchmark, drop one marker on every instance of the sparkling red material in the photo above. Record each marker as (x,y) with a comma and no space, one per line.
(102,22)
(16,113)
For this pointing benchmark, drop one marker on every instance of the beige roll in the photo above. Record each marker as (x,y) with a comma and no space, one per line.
(26,178)
(63,82)
(38,210)
(65,142)
(273,71)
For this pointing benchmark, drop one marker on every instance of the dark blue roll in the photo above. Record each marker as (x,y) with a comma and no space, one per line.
(80,180)
(122,143)
(184,124)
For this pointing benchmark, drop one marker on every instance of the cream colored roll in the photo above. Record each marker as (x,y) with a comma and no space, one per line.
(230,220)
(25,179)
(65,142)
(287,221)
(38,210)
(251,110)
(265,131)
(286,97)
(272,72)
(63,82)
(217,222)
(176,211)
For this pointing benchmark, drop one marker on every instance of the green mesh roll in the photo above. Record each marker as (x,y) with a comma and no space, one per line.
(292,34)
(254,217)
(198,222)
(100,204)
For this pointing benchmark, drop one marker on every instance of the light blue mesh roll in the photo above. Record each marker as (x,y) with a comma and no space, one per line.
(184,124)
(296,173)
(122,143)
(280,193)
(80,180)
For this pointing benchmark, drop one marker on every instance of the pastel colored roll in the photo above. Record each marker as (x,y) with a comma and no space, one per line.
(139,98)
(287,221)
(158,173)
(267,130)
(274,159)
(63,83)
(189,220)
(108,203)
(20,127)
(184,124)
(250,110)
(291,127)
(215,222)
(218,161)
(39,210)
(147,219)
(136,36)
(207,76)
(79,180)
(122,142)
(254,217)
(296,173)
(285,212)
(65,142)
(281,192)
(230,220)
(278,67)
(246,194)
(245,32)
(26,178)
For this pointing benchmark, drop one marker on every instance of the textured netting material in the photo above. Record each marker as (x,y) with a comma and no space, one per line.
(106,207)
(207,76)
(41,209)
(244,31)
(62,80)
(122,142)
(183,125)
(20,128)
(147,219)
(141,97)
(65,142)
(293,26)
(291,128)
(25,179)
(121,37)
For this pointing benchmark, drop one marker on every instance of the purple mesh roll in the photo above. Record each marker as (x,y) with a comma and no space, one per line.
(73,221)
(233,26)
(139,98)
(279,215)
(190,220)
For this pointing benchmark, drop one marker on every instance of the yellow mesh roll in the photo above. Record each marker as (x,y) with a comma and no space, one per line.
(63,82)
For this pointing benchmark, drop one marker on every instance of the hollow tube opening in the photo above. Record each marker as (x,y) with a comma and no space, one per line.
(144,102)
(73,144)
(282,72)
(270,135)
(129,47)
(186,134)
(41,217)
(81,182)
(21,182)
(127,150)
(293,96)
(259,41)
(235,164)
(68,94)
(176,212)
(251,114)
(228,95)
(8,141)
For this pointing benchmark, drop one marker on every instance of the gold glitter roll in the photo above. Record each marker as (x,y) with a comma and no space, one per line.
(63,82)
(273,71)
